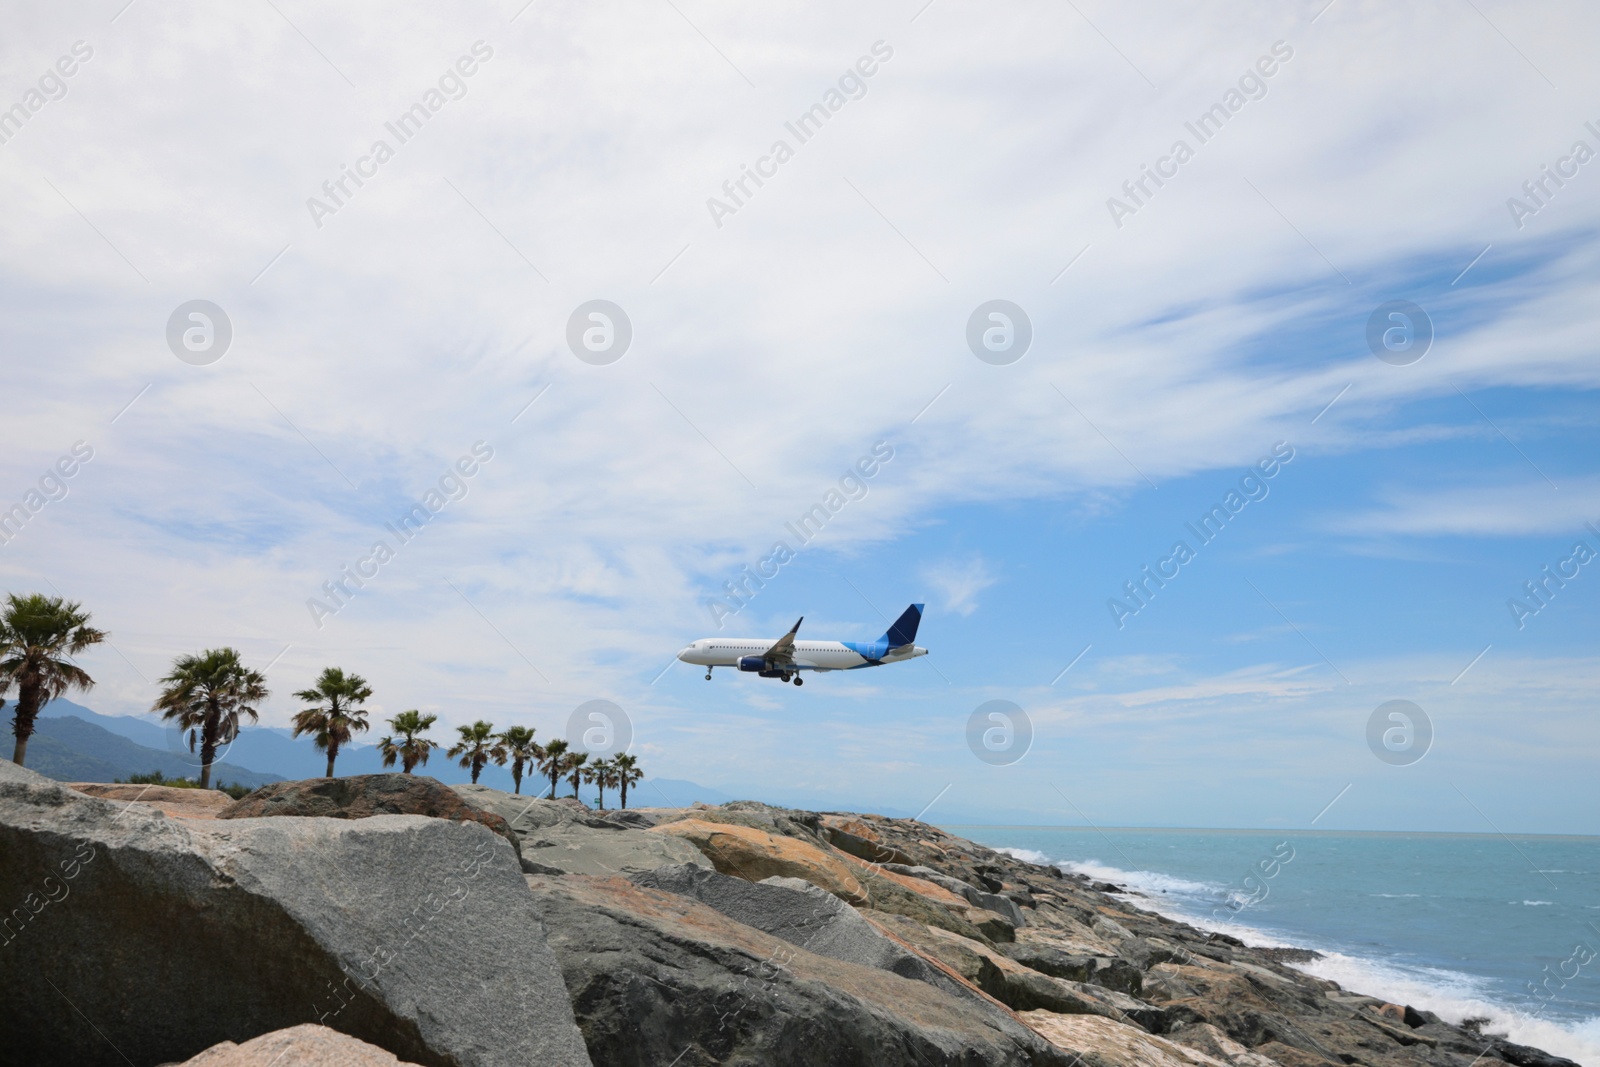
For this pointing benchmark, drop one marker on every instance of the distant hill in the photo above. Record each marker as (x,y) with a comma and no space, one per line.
(62,749)
(71,749)
(266,750)
(673,793)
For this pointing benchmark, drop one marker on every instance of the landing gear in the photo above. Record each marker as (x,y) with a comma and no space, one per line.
(798,680)
(708,674)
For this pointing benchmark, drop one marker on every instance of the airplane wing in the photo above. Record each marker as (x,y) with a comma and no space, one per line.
(782,653)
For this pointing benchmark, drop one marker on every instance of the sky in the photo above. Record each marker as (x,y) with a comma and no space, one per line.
(1218,329)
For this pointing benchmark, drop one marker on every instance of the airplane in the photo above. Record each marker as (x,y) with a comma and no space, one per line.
(785,658)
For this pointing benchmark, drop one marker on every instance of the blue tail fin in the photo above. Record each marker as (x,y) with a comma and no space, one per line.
(904,630)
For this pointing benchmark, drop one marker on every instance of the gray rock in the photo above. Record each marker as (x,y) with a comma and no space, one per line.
(1047,959)
(1000,906)
(978,898)
(1109,972)
(1145,953)
(10,772)
(560,838)
(359,796)
(525,813)
(1110,928)
(861,848)
(576,849)
(799,913)
(172,936)
(1097,1000)
(657,978)
(636,820)
(997,928)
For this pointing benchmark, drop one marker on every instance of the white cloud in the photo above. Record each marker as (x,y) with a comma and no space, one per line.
(958,582)
(777,348)
(1529,507)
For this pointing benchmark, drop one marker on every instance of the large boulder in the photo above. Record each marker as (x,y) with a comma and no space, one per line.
(914,898)
(1014,985)
(559,839)
(978,898)
(307,1045)
(799,913)
(414,934)
(363,795)
(1112,972)
(860,840)
(752,854)
(11,772)
(526,814)
(1103,1041)
(658,978)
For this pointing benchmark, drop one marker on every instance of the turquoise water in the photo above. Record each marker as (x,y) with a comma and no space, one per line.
(1460,924)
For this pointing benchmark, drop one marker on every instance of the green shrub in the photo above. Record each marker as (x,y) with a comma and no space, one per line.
(234,790)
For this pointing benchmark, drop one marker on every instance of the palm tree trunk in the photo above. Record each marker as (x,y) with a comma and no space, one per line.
(208,745)
(333,754)
(516,778)
(26,710)
(624,795)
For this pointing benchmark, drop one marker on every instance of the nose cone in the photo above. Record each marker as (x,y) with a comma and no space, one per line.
(685,652)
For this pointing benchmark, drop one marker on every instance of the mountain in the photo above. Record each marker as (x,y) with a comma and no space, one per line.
(70,749)
(267,750)
(675,793)
(272,753)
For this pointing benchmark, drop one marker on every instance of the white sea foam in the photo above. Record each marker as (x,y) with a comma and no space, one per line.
(1142,883)
(1026,855)
(1454,997)
(1195,903)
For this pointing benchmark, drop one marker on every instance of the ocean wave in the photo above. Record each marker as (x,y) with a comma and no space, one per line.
(1142,883)
(1026,855)
(1533,903)
(1455,997)
(1183,899)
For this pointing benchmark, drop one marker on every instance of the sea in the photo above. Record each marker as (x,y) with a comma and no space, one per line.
(1502,928)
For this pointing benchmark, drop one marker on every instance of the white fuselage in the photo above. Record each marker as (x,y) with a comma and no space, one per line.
(808,655)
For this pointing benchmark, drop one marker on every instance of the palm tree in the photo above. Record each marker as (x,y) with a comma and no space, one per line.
(207,695)
(574,769)
(605,775)
(519,746)
(38,636)
(412,748)
(595,774)
(335,713)
(553,762)
(628,772)
(479,744)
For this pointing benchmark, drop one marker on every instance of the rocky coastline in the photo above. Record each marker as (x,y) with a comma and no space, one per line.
(384,919)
